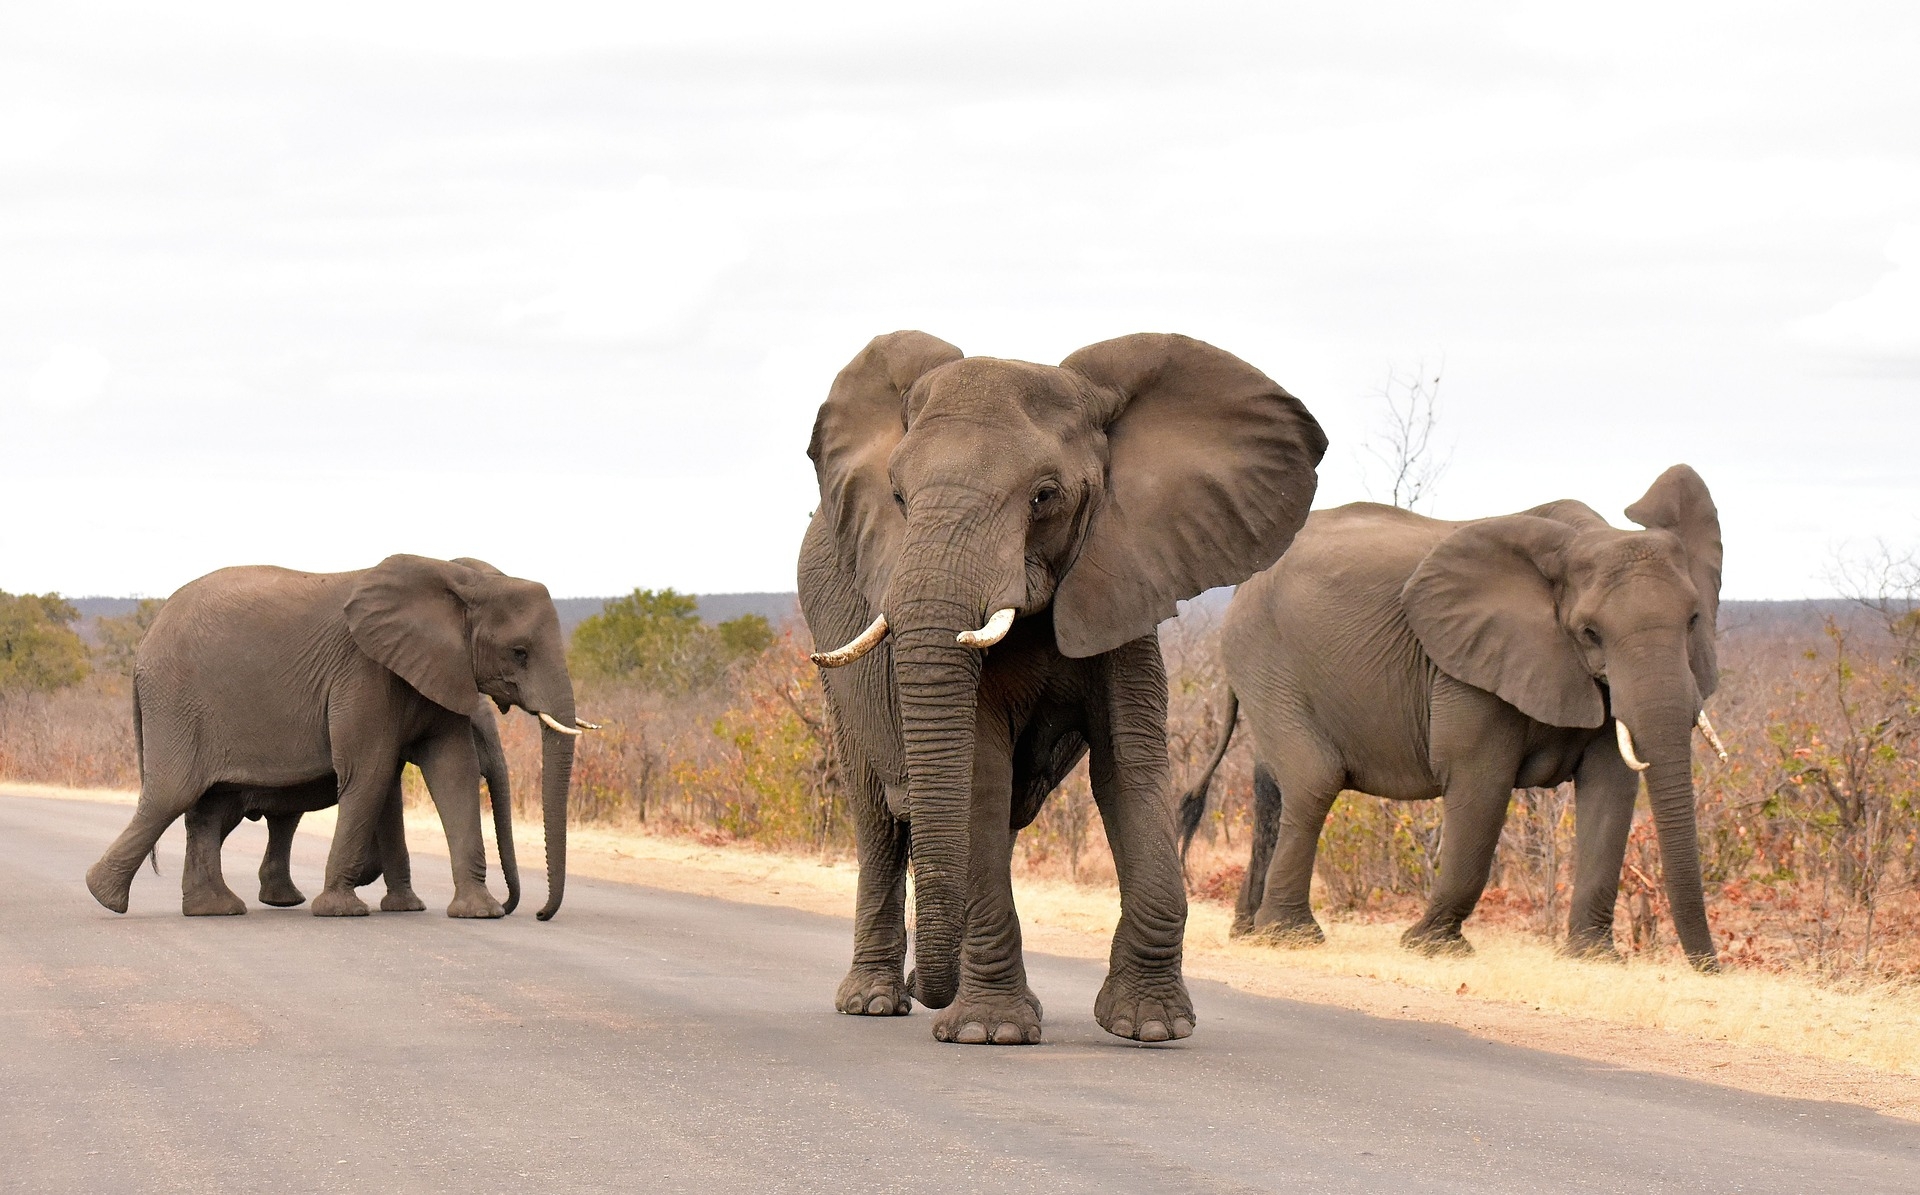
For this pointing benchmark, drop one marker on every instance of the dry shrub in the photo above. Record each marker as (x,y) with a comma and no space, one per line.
(80,736)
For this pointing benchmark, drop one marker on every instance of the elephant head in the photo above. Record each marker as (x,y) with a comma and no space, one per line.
(965,492)
(1574,622)
(459,629)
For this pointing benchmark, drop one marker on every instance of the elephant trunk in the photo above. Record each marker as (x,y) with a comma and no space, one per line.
(556,772)
(1660,716)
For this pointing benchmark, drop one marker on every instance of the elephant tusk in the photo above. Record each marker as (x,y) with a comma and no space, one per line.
(1626,747)
(583,724)
(992,633)
(554,723)
(1713,740)
(858,646)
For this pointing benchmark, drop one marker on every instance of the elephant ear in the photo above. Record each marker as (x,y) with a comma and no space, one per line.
(1678,502)
(409,613)
(1210,470)
(1484,604)
(854,435)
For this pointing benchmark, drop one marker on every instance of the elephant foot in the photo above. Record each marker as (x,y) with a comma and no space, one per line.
(1706,964)
(990,1019)
(212,902)
(281,894)
(405,900)
(873,993)
(339,902)
(110,890)
(1436,941)
(1145,1010)
(1287,929)
(1592,948)
(475,903)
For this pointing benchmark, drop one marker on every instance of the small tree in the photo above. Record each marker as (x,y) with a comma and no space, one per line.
(654,638)
(120,637)
(39,649)
(1404,444)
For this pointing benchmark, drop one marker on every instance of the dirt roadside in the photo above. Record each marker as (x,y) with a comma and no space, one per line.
(1764,1034)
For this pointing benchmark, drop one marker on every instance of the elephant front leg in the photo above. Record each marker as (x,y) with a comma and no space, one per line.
(1472,813)
(876,986)
(1145,996)
(1604,792)
(276,866)
(203,887)
(994,1005)
(452,772)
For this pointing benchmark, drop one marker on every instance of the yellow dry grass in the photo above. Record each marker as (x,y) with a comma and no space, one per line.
(1765,1032)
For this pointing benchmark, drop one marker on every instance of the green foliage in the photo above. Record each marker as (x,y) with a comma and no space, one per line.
(655,639)
(120,637)
(39,650)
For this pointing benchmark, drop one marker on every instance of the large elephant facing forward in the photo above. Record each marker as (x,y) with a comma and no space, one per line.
(266,678)
(1410,658)
(995,545)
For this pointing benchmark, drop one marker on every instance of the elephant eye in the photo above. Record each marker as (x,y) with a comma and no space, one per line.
(1693,621)
(520,656)
(899,501)
(1043,498)
(1590,635)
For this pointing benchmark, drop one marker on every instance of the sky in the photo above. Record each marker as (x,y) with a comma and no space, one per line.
(561,285)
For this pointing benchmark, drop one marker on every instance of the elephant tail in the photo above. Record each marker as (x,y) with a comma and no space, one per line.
(140,763)
(1193,806)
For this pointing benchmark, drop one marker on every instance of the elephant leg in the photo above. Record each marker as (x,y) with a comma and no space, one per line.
(390,847)
(276,866)
(110,879)
(994,1005)
(1284,916)
(364,787)
(876,985)
(1266,831)
(1144,997)
(1603,796)
(452,772)
(203,888)
(1471,818)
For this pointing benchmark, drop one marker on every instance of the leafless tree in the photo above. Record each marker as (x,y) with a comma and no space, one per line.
(1404,442)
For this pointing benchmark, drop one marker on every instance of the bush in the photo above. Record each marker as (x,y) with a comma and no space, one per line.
(119,638)
(655,639)
(39,649)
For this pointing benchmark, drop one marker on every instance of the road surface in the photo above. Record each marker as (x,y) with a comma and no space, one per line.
(650,1041)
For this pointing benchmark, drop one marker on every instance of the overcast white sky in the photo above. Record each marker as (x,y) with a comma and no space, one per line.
(561,285)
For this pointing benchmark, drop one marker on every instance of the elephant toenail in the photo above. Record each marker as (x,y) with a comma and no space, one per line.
(1182,1027)
(1008,1034)
(973,1033)
(1033,1036)
(1153,1031)
(1121,1028)
(879,1006)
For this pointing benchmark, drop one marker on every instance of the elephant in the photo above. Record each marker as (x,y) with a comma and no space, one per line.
(1410,657)
(995,545)
(204,891)
(267,678)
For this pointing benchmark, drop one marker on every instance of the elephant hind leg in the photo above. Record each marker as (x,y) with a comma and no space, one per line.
(1284,916)
(203,888)
(1266,831)
(276,871)
(110,879)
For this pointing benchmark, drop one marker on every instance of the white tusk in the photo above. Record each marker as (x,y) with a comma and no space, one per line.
(1626,747)
(1713,740)
(858,646)
(583,724)
(553,722)
(992,633)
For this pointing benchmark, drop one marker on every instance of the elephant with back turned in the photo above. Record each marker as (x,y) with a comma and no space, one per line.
(267,678)
(203,888)
(1410,658)
(995,545)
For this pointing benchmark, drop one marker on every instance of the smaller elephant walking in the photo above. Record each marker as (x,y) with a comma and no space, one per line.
(1412,658)
(203,887)
(266,679)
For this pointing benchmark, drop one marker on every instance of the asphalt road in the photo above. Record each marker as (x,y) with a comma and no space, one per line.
(649,1041)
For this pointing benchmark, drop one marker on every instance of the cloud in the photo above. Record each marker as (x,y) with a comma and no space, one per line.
(1881,327)
(72,378)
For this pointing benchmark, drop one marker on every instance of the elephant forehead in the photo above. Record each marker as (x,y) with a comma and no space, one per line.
(1614,557)
(991,387)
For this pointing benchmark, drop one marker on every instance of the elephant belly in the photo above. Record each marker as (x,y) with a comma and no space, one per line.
(306,797)
(1046,751)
